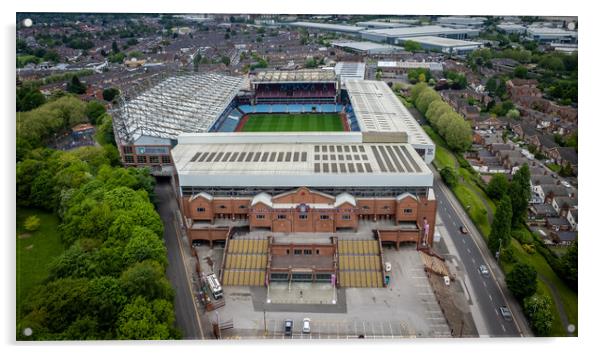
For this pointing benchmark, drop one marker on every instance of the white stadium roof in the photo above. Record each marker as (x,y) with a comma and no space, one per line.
(259,164)
(377,109)
(179,104)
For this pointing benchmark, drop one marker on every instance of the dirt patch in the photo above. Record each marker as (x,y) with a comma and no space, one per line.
(461,323)
(24,235)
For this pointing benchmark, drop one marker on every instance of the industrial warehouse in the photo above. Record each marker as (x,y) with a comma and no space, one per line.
(299,203)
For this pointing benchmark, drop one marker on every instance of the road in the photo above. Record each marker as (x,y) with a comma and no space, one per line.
(186,313)
(488,294)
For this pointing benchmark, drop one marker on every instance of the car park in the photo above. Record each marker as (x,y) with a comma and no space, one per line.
(484,271)
(306,328)
(288,327)
(506,314)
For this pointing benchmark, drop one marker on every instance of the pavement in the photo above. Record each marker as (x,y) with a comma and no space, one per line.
(406,309)
(188,319)
(487,293)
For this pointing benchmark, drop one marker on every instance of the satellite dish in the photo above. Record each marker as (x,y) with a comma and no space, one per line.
(571,26)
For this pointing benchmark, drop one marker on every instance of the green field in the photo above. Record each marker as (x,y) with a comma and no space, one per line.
(35,251)
(308,122)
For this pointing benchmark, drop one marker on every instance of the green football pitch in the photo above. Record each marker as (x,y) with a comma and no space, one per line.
(308,122)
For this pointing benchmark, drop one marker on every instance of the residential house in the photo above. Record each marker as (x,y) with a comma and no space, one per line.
(564,156)
(541,212)
(562,205)
(558,224)
(564,238)
(572,218)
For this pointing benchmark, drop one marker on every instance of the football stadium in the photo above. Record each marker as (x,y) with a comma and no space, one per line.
(288,160)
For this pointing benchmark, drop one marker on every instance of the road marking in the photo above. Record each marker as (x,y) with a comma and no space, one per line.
(196,312)
(490,298)
(503,328)
(473,261)
(464,241)
(484,284)
(468,250)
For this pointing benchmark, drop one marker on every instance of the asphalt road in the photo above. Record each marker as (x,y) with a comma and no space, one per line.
(184,304)
(487,292)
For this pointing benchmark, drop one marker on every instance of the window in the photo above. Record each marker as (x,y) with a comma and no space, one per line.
(346,217)
(317,252)
(242,207)
(141,159)
(154,159)
(281,216)
(260,216)
(407,211)
(366,207)
(324,217)
(386,207)
(297,252)
(303,217)
(288,251)
(128,159)
(307,252)
(128,150)
(200,210)
(222,207)
(165,159)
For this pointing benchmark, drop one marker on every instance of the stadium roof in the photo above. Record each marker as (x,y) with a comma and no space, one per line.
(418,31)
(377,109)
(179,104)
(327,26)
(288,165)
(309,75)
(350,70)
(442,41)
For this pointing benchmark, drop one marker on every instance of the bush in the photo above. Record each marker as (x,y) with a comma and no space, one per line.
(449,177)
(529,248)
(523,236)
(507,255)
(32,223)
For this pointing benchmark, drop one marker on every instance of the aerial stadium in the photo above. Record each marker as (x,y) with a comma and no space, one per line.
(288,168)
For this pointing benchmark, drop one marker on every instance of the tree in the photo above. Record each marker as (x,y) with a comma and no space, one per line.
(458,134)
(498,186)
(522,280)
(520,194)
(225,60)
(95,110)
(513,113)
(139,320)
(501,227)
(143,245)
(32,223)
(449,177)
(521,72)
(110,94)
(146,279)
(417,90)
(425,99)
(568,265)
(114,47)
(75,86)
(311,63)
(412,46)
(419,75)
(491,85)
(28,98)
(538,309)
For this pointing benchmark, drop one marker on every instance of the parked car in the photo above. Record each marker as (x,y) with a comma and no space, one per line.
(463,229)
(288,327)
(565,183)
(387,266)
(484,271)
(306,328)
(506,314)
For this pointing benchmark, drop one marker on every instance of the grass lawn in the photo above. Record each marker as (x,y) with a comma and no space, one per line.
(554,167)
(35,250)
(304,122)
(477,210)
(443,157)
(567,296)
